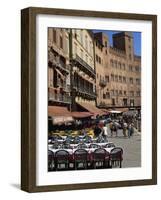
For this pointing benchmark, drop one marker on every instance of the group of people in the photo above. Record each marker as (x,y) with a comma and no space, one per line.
(101,131)
(128,129)
(109,129)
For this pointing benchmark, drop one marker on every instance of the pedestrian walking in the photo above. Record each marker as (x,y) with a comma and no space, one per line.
(129,130)
(132,129)
(125,129)
(116,129)
(105,132)
(112,128)
(97,131)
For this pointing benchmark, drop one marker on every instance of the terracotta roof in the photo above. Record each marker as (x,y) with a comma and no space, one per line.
(58,111)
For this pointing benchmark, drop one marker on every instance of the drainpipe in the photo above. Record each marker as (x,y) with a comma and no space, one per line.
(94,68)
(73,103)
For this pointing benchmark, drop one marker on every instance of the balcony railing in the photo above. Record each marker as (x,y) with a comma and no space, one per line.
(102,83)
(60,83)
(63,85)
(84,64)
(87,91)
(63,66)
(55,60)
(59,98)
(52,58)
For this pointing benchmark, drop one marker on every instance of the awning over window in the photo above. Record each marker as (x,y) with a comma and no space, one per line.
(59,114)
(81,114)
(115,111)
(118,110)
(91,108)
(123,109)
(105,111)
(58,111)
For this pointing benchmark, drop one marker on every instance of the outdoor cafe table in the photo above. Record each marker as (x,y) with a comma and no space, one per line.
(71,152)
(101,144)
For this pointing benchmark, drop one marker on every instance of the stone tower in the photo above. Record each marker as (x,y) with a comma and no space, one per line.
(124,42)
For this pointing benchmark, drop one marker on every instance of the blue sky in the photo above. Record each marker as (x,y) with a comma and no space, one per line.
(136,36)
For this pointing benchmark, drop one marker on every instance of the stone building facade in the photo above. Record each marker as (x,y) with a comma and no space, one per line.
(58,67)
(83,68)
(122,72)
(101,64)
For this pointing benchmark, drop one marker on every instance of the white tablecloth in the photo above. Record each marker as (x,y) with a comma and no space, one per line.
(71,151)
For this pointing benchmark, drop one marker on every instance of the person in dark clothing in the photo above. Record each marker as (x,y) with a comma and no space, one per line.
(97,131)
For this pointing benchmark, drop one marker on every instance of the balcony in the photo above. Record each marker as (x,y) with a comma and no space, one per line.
(103,104)
(66,88)
(63,85)
(102,83)
(85,91)
(53,59)
(63,66)
(85,65)
(60,83)
(59,98)
(57,61)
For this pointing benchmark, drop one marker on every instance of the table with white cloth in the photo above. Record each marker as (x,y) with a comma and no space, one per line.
(71,152)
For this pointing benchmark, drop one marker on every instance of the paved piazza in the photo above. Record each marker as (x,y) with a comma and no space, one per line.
(131,147)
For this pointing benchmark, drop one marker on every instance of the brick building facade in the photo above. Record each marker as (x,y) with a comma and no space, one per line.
(84,70)
(119,71)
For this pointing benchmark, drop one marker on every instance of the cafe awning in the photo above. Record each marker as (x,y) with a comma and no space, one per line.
(59,114)
(58,111)
(115,111)
(81,114)
(91,108)
(105,111)
(118,110)
(123,109)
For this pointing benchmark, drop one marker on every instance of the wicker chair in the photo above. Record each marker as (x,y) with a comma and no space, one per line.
(80,157)
(50,160)
(116,157)
(100,158)
(62,158)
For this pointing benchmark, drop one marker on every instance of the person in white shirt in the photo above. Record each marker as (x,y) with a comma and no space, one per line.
(125,129)
(105,132)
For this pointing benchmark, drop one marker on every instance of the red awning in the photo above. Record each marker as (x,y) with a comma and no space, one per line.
(121,110)
(105,111)
(91,108)
(58,111)
(59,114)
(81,114)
